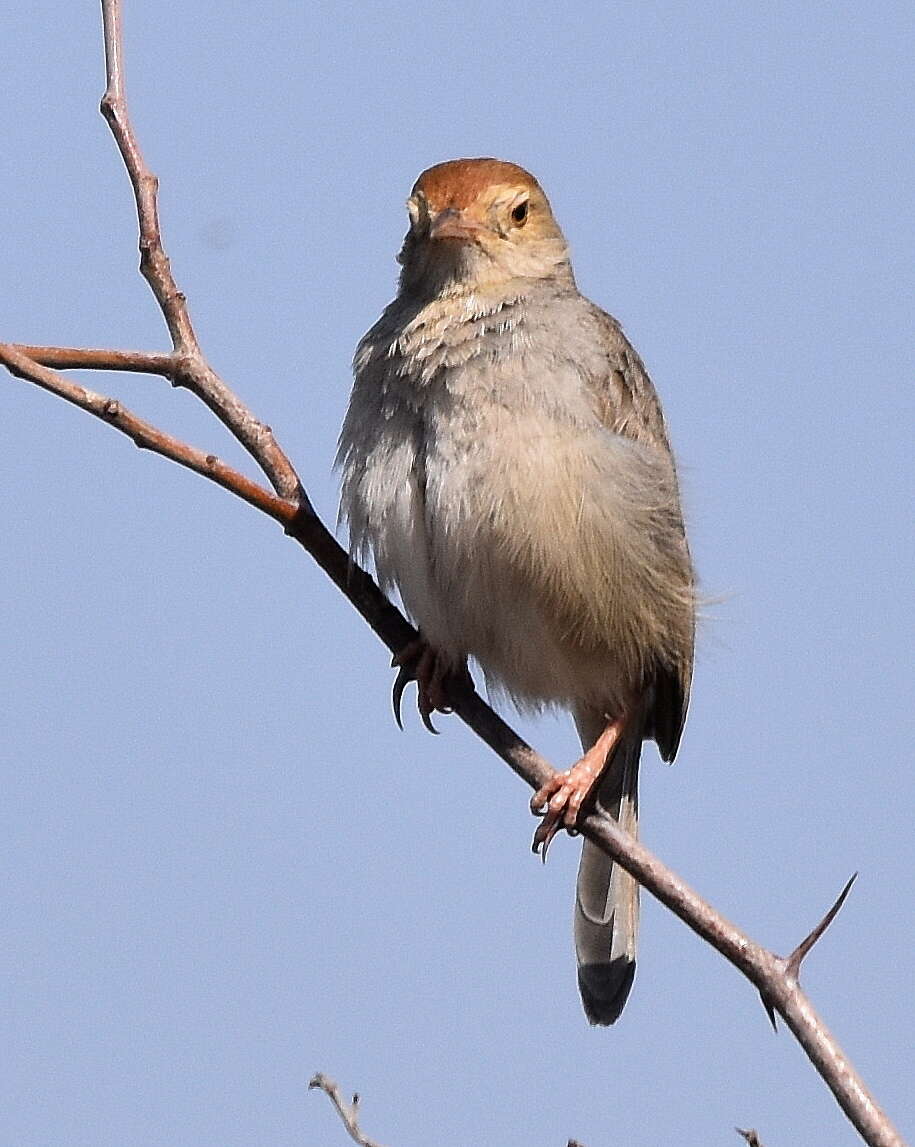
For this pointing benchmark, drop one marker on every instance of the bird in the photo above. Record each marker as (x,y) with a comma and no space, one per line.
(506,465)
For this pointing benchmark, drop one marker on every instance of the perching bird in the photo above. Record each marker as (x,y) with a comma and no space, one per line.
(506,464)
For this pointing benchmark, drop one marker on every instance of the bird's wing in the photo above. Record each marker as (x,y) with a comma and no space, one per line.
(626,402)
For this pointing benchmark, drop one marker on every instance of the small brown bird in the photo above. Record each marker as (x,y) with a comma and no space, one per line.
(506,464)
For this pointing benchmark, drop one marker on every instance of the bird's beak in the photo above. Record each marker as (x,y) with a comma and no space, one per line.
(454,224)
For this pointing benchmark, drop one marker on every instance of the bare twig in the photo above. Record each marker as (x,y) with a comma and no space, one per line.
(348,1112)
(77,358)
(193,370)
(775,977)
(144,434)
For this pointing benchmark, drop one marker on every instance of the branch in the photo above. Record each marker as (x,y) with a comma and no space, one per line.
(193,371)
(346,1111)
(144,434)
(75,358)
(775,977)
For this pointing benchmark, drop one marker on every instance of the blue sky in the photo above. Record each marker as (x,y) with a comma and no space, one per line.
(223,866)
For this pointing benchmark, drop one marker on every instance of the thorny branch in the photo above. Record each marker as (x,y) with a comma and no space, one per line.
(775,977)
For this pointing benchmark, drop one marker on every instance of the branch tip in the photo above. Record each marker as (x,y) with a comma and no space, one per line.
(202,380)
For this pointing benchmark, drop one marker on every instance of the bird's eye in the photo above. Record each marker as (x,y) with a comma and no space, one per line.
(519,213)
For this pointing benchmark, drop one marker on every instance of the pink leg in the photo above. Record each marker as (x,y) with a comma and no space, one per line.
(565,793)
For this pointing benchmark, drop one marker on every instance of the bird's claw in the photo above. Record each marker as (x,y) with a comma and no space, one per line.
(401,681)
(543,837)
(418,662)
(559,802)
(426,710)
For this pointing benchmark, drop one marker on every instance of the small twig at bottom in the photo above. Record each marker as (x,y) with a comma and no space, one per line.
(348,1112)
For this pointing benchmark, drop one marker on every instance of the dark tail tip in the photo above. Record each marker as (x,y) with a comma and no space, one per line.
(605,988)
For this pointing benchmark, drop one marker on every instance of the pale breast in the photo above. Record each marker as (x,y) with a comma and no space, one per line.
(517,529)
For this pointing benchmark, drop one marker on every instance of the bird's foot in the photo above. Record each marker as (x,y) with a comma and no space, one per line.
(560,800)
(420,662)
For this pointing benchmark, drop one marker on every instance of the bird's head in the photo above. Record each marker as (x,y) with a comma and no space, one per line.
(480,223)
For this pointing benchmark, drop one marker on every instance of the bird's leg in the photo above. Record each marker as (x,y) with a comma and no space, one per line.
(565,793)
(420,662)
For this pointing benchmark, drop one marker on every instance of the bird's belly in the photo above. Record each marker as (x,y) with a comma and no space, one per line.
(501,520)
(522,649)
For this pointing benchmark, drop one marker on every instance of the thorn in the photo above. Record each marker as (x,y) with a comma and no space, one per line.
(793,965)
(770,1012)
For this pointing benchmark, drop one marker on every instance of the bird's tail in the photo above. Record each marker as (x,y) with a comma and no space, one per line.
(607,897)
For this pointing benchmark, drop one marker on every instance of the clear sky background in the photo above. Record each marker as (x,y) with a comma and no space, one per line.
(223,868)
